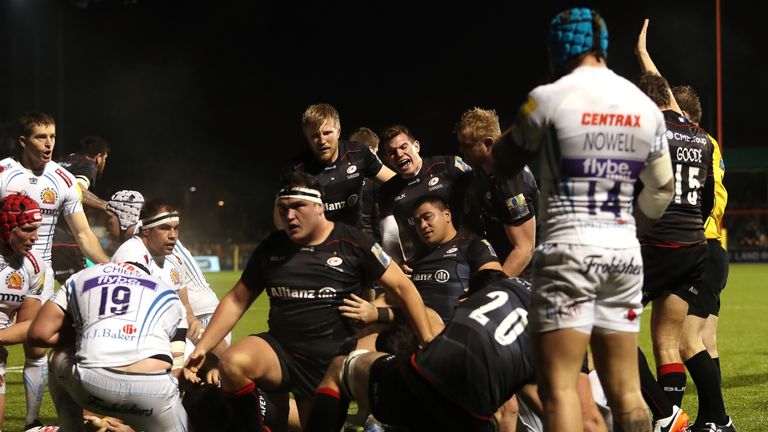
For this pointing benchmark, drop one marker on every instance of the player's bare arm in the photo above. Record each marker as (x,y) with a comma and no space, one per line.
(401,291)
(647,64)
(523,238)
(85,238)
(17,333)
(384,174)
(44,329)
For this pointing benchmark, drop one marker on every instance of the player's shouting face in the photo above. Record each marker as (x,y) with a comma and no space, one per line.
(403,154)
(301,218)
(38,146)
(324,141)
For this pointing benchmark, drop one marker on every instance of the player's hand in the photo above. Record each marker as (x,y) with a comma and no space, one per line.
(213,377)
(97,424)
(357,308)
(194,364)
(641,38)
(406,269)
(195,330)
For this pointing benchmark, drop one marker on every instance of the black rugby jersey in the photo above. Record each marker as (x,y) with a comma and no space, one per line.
(84,170)
(483,356)
(369,209)
(442,274)
(691,152)
(444,176)
(494,202)
(306,285)
(342,180)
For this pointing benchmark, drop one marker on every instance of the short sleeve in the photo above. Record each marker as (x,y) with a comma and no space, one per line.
(479,253)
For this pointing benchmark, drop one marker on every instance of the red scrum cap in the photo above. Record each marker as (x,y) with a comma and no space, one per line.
(16,210)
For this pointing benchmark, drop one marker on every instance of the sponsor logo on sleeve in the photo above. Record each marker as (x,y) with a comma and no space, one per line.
(490,248)
(461,165)
(518,206)
(380,255)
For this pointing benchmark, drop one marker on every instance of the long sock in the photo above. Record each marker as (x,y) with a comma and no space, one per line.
(704,374)
(329,411)
(246,409)
(671,378)
(717,365)
(35,379)
(654,396)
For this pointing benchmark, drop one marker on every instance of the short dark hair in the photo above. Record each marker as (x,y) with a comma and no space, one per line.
(155,207)
(93,145)
(435,200)
(689,102)
(483,278)
(655,87)
(295,178)
(397,339)
(365,136)
(391,132)
(28,121)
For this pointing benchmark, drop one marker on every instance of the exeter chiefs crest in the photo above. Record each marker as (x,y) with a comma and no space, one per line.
(14,281)
(48,196)
(175,278)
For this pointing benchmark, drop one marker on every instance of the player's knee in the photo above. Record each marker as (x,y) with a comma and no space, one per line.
(232,363)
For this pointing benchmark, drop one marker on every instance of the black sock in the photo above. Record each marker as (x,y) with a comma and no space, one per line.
(328,412)
(719,372)
(671,378)
(654,397)
(704,374)
(246,409)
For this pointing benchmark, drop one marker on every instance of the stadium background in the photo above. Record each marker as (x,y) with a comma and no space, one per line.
(201,104)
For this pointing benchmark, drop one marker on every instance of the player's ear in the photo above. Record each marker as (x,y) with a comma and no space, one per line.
(22,141)
(448,215)
(488,143)
(416,145)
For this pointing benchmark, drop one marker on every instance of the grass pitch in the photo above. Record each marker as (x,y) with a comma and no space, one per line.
(742,342)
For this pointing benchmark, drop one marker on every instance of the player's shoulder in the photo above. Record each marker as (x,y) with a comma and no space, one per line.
(134,250)
(8,166)
(59,174)
(343,233)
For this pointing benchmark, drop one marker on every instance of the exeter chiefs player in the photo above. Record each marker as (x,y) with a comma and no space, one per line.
(340,166)
(129,330)
(588,268)
(21,276)
(306,269)
(444,176)
(56,191)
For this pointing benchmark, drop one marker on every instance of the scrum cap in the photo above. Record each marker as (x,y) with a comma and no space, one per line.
(572,33)
(17,210)
(126,204)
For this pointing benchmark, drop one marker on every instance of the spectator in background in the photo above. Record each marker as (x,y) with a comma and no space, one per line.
(87,165)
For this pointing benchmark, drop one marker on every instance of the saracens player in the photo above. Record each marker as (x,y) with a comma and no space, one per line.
(340,166)
(307,269)
(57,192)
(21,276)
(457,382)
(444,176)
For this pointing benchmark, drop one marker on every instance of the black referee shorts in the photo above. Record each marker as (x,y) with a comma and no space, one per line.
(398,396)
(713,283)
(673,270)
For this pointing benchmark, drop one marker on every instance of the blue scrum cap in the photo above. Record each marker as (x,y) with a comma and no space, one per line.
(571,34)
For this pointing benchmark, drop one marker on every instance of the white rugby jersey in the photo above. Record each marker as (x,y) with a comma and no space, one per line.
(595,131)
(167,267)
(20,277)
(121,314)
(55,190)
(202,299)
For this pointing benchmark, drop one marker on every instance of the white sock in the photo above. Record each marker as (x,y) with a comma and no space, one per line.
(35,379)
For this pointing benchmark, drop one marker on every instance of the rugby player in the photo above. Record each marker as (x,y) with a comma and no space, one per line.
(444,176)
(22,272)
(129,329)
(369,199)
(676,253)
(87,164)
(587,273)
(457,382)
(340,166)
(306,270)
(57,192)
(502,210)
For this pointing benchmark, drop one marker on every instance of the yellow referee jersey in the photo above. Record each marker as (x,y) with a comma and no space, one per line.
(713,225)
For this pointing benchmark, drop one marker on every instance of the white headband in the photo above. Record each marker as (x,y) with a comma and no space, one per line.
(159,219)
(297,192)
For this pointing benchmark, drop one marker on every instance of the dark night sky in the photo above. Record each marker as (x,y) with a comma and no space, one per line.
(210,93)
